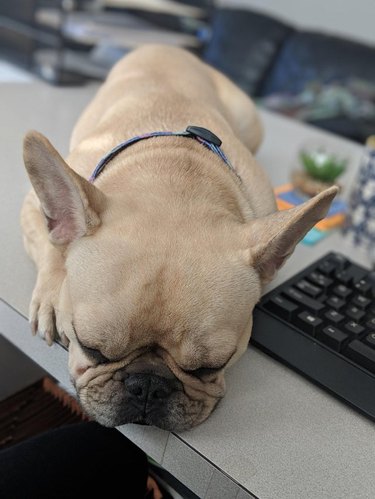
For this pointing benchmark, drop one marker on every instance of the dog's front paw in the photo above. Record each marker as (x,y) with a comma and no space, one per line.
(43,312)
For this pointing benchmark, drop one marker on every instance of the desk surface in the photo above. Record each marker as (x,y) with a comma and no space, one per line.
(275,434)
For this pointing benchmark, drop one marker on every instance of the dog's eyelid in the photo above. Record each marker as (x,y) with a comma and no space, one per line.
(209,369)
(94,353)
(203,371)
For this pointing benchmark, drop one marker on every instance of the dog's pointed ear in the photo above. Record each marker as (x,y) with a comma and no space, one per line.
(70,204)
(272,239)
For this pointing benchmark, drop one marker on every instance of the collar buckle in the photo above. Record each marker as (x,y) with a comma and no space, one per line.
(203,133)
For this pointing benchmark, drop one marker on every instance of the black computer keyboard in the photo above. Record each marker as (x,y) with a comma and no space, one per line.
(321,323)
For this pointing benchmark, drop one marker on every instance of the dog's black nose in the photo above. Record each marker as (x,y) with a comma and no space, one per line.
(148,388)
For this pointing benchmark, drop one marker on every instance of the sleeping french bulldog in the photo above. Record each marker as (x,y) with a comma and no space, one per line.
(149,271)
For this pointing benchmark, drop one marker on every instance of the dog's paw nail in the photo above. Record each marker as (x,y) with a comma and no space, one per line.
(34,327)
(48,337)
(44,335)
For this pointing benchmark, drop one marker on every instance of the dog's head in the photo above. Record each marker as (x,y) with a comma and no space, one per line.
(155,312)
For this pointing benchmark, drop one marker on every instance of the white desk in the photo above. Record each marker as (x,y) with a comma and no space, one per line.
(275,434)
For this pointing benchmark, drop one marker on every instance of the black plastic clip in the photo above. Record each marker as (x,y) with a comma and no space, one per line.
(204,134)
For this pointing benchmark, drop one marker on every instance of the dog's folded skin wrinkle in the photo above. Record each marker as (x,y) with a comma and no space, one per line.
(162,259)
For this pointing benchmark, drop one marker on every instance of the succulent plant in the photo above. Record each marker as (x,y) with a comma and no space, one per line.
(322,165)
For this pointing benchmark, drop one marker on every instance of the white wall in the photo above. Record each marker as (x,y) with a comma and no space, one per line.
(349,18)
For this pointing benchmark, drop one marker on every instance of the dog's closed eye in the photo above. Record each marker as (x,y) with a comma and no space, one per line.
(94,354)
(203,371)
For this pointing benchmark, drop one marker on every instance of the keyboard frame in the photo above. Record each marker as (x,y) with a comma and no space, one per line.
(305,354)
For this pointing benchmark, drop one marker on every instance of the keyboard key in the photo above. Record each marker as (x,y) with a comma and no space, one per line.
(355,313)
(334,316)
(342,291)
(363,354)
(309,288)
(357,273)
(367,285)
(327,267)
(332,337)
(361,301)
(344,276)
(363,286)
(370,339)
(309,323)
(303,299)
(354,328)
(350,275)
(371,323)
(319,279)
(281,307)
(335,302)
(339,260)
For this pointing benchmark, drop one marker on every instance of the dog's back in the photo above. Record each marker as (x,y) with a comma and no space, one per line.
(158,88)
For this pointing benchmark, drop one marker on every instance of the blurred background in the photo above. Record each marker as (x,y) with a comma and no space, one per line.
(314,61)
